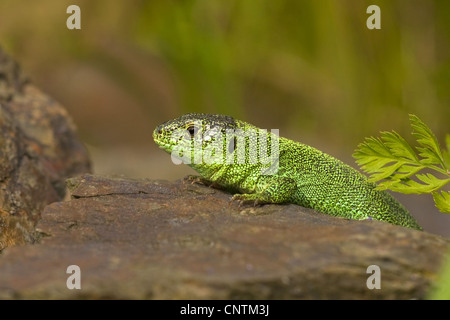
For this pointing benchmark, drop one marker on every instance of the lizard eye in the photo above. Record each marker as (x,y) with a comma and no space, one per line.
(192,130)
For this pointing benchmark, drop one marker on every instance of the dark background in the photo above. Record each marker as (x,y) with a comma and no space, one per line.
(309,68)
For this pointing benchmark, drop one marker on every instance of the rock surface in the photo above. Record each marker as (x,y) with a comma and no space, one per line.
(39,149)
(140,239)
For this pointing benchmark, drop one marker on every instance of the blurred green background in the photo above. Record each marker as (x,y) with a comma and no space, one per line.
(309,68)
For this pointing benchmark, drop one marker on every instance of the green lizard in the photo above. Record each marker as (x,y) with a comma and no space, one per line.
(219,148)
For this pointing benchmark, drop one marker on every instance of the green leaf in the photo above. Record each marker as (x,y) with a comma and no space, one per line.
(371,149)
(392,162)
(398,146)
(428,184)
(433,182)
(429,149)
(384,172)
(442,201)
(446,153)
(390,157)
(372,155)
(403,172)
(441,288)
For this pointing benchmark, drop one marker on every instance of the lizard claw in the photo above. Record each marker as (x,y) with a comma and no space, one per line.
(235,198)
(246,199)
(190,178)
(214,185)
(196,179)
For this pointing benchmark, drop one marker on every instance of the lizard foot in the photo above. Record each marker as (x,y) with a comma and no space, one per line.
(200,180)
(245,198)
(195,179)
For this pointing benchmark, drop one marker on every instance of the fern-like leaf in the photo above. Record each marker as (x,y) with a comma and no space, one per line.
(428,184)
(442,201)
(399,147)
(446,153)
(429,147)
(395,164)
(381,159)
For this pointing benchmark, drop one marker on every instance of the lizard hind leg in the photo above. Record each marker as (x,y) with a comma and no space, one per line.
(270,189)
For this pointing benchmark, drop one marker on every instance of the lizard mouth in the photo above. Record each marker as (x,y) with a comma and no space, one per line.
(160,141)
(163,145)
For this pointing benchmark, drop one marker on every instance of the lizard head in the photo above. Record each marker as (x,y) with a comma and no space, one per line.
(209,143)
(188,136)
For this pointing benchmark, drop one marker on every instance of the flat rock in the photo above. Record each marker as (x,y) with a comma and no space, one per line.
(141,239)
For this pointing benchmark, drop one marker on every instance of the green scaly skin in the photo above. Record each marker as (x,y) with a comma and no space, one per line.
(306,176)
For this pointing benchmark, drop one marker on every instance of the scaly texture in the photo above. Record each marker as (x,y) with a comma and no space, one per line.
(304,176)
